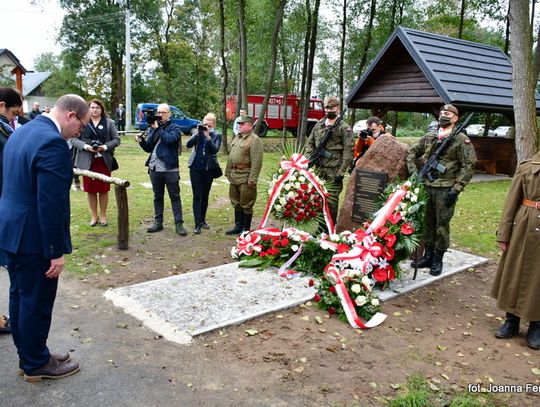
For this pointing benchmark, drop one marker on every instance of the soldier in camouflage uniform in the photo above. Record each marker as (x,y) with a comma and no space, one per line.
(338,152)
(459,160)
(243,168)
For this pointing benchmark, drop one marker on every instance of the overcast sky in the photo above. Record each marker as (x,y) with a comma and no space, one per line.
(28,30)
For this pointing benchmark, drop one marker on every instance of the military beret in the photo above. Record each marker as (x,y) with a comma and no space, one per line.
(245,119)
(332,102)
(449,108)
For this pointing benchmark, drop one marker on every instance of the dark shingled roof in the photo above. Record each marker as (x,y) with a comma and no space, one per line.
(419,71)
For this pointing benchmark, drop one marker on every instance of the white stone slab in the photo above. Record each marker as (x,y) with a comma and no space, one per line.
(183,306)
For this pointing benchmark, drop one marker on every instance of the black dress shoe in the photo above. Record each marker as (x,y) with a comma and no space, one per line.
(156,227)
(510,328)
(533,335)
(205,225)
(53,370)
(197,230)
(59,357)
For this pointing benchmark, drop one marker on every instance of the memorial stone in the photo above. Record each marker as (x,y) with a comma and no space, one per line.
(386,155)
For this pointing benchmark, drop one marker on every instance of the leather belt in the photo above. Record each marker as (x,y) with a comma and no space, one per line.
(240,166)
(531,204)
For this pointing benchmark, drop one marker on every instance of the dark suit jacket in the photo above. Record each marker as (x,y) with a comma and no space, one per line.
(34,207)
(167,151)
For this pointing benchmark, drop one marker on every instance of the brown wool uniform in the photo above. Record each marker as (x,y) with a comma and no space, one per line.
(517,282)
(244,164)
(459,160)
(341,146)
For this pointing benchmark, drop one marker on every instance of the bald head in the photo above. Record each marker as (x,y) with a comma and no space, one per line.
(72,112)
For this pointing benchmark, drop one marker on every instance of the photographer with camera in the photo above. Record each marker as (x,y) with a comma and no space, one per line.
(375,128)
(203,167)
(95,152)
(163,143)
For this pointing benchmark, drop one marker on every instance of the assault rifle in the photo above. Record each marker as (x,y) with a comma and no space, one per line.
(321,152)
(432,168)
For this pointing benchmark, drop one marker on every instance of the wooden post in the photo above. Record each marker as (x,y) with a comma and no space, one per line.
(120,192)
(123,217)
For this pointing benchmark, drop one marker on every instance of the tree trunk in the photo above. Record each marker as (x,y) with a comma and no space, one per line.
(285,95)
(301,119)
(342,51)
(522,79)
(461,19)
(273,60)
(243,50)
(507,33)
(309,76)
(367,45)
(225,74)
(393,16)
(536,63)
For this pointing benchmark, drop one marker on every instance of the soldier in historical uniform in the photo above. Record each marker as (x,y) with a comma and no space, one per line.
(517,282)
(243,168)
(459,159)
(336,154)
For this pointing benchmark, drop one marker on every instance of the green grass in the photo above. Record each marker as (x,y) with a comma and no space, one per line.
(473,227)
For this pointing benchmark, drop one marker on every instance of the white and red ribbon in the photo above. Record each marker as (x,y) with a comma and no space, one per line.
(297,163)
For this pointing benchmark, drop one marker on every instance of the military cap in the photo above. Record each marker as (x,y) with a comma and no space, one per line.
(449,108)
(245,119)
(332,102)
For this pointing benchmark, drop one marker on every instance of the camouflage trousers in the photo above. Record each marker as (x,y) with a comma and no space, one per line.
(438,216)
(328,174)
(242,197)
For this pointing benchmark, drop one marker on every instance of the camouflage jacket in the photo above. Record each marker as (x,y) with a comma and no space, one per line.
(340,145)
(459,160)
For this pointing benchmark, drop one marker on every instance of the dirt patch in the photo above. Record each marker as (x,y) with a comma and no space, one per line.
(443,332)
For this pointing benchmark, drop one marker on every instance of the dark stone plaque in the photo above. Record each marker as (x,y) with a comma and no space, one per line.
(369,186)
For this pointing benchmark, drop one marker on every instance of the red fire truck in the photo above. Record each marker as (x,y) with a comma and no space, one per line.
(273,119)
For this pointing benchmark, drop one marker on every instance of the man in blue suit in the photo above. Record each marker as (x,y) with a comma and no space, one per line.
(34,230)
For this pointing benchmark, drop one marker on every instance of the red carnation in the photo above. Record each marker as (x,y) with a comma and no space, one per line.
(287,214)
(316,298)
(284,234)
(311,282)
(331,310)
(406,229)
(265,238)
(332,289)
(262,254)
(343,248)
(284,242)
(304,186)
(305,198)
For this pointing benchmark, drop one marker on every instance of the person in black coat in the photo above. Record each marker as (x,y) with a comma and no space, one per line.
(203,167)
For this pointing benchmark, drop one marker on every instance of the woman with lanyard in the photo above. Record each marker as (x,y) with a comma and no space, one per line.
(95,152)
(203,167)
(10,104)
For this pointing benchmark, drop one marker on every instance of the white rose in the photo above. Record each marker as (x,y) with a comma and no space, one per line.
(297,185)
(292,178)
(408,184)
(375,302)
(295,247)
(360,300)
(417,190)
(414,198)
(366,281)
(282,200)
(278,207)
(287,187)
(302,179)
(290,194)
(355,288)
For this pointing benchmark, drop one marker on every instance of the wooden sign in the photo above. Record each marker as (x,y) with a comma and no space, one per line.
(368,188)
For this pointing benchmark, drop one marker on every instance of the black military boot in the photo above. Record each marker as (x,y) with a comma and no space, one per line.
(156,227)
(246,224)
(238,223)
(426,260)
(510,327)
(436,267)
(533,335)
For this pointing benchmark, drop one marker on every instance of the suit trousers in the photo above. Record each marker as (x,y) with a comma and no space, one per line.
(201,183)
(31,301)
(170,179)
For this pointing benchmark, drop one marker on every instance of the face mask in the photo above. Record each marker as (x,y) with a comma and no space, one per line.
(444,121)
(331,115)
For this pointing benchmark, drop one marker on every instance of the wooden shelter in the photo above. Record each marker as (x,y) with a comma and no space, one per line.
(416,71)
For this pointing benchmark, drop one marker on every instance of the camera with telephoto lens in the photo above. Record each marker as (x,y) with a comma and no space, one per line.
(151,115)
(202,127)
(95,144)
(366,133)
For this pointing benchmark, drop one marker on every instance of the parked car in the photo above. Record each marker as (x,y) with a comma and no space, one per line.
(433,126)
(478,130)
(504,131)
(187,124)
